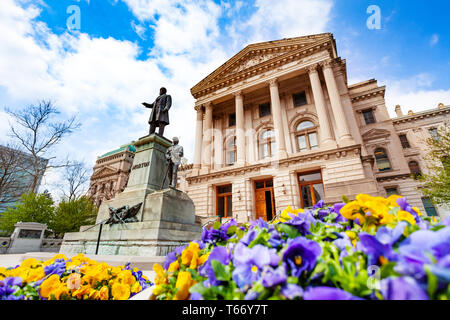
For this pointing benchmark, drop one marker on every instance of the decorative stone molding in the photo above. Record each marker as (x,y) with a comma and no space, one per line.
(361,96)
(236,171)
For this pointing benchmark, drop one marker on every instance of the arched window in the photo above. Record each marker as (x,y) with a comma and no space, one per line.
(382,160)
(230,151)
(306,136)
(267,144)
(415,169)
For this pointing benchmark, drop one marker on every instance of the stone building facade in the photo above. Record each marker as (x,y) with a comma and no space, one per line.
(111,173)
(278,124)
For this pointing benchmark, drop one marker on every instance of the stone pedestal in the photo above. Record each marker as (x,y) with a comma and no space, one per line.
(166,218)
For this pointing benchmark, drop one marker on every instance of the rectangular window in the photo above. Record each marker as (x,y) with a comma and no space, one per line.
(368,116)
(391,191)
(429,208)
(302,146)
(224,201)
(299,99)
(404,141)
(232,120)
(311,188)
(264,110)
(313,141)
(434,134)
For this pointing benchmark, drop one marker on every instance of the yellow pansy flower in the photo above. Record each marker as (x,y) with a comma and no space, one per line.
(406,216)
(120,291)
(104,293)
(33,275)
(189,255)
(82,291)
(183,284)
(50,285)
(136,287)
(157,290)
(126,277)
(161,277)
(29,263)
(174,266)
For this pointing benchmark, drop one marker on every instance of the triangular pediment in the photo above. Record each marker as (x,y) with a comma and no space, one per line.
(102,172)
(375,134)
(255,58)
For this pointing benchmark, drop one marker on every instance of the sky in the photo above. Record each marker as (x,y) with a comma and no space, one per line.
(99,60)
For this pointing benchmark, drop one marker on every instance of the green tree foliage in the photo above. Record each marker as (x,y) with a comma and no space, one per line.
(70,215)
(436,183)
(31,208)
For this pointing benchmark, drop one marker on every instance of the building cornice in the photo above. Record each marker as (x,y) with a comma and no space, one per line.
(321,155)
(369,94)
(288,50)
(421,115)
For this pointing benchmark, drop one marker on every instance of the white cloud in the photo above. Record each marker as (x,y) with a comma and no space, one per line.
(434,40)
(415,93)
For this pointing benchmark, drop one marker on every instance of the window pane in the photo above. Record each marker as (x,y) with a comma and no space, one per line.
(302,143)
(299,99)
(404,141)
(382,159)
(264,110)
(259,185)
(415,169)
(229,212)
(231,157)
(368,116)
(305,125)
(232,120)
(264,150)
(221,206)
(306,196)
(273,148)
(269,183)
(318,192)
(267,134)
(310,177)
(391,191)
(313,141)
(429,208)
(224,189)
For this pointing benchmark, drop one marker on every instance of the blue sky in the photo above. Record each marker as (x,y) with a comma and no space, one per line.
(126,49)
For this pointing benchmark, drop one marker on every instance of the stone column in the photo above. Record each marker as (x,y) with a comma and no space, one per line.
(277,120)
(207,139)
(343,131)
(198,138)
(240,128)
(326,137)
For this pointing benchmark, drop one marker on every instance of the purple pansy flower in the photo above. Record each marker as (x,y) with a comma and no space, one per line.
(7,288)
(58,267)
(390,236)
(291,291)
(301,255)
(249,263)
(328,293)
(405,206)
(273,277)
(172,256)
(220,254)
(301,223)
(404,288)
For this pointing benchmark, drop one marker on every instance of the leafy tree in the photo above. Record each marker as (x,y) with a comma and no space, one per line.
(31,208)
(436,183)
(70,215)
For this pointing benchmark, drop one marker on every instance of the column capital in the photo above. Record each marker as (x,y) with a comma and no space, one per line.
(312,68)
(273,82)
(208,105)
(238,94)
(198,108)
(327,63)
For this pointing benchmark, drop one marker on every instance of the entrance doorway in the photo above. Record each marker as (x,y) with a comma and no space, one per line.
(264,200)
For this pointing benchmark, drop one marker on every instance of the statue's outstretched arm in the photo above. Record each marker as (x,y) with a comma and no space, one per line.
(148,105)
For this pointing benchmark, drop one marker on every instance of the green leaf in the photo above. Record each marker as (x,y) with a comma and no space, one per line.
(432,282)
(221,272)
(345,199)
(217,225)
(290,231)
(231,230)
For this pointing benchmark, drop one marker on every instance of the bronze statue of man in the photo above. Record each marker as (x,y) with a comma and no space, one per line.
(160,111)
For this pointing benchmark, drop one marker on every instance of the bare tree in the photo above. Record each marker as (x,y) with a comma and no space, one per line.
(38,135)
(75,180)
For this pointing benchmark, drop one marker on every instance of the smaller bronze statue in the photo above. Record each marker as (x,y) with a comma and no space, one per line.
(123,214)
(173,157)
(160,111)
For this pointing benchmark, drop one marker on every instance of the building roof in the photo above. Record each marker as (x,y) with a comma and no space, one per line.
(128,147)
(421,114)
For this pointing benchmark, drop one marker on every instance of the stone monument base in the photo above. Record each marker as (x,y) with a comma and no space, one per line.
(167,221)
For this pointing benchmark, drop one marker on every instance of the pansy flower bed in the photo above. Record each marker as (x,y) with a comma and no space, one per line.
(79,278)
(370,248)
